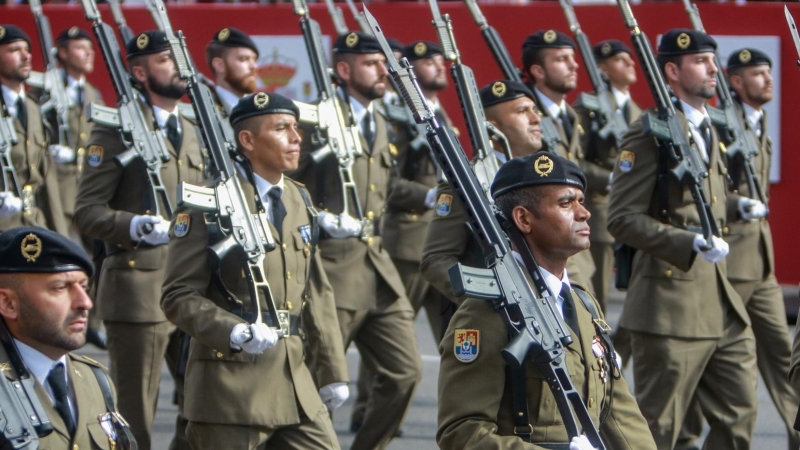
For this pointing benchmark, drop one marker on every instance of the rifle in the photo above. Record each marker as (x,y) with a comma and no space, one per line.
(337,17)
(359,16)
(687,166)
(742,147)
(8,139)
(793,30)
(612,122)
(125,32)
(22,417)
(55,92)
(538,332)
(129,117)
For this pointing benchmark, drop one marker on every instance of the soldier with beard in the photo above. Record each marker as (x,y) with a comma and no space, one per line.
(232,56)
(111,206)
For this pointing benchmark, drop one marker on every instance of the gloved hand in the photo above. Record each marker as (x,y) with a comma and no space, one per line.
(430,198)
(751,209)
(159,234)
(11,204)
(62,154)
(339,226)
(334,395)
(253,338)
(581,443)
(714,254)
(610,180)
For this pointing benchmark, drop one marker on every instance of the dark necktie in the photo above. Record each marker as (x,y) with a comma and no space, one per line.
(58,384)
(566,123)
(278,210)
(173,134)
(570,313)
(366,129)
(22,113)
(79,90)
(626,111)
(705,131)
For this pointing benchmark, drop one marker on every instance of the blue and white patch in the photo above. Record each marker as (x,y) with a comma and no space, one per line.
(466,344)
(94,155)
(182,223)
(626,160)
(443,204)
(305,233)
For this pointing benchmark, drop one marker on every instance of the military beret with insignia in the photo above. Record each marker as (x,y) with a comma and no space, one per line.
(748,57)
(234,37)
(609,48)
(683,41)
(147,43)
(262,103)
(12,33)
(72,34)
(39,250)
(395,44)
(548,39)
(421,50)
(502,91)
(537,169)
(356,42)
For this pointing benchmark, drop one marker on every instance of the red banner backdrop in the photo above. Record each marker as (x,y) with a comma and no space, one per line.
(409,21)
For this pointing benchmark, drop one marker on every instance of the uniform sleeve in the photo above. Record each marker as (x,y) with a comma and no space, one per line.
(596,176)
(49,196)
(405,194)
(794,369)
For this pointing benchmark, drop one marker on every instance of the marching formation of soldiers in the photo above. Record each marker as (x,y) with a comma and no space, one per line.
(351,244)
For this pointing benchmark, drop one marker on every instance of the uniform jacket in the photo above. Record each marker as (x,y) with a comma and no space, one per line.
(108,198)
(274,388)
(673,291)
(485,421)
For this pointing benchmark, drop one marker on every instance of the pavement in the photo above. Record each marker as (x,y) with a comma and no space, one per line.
(419,427)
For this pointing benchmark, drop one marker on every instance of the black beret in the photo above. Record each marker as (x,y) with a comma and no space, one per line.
(537,169)
(609,48)
(356,42)
(39,250)
(395,44)
(421,50)
(548,39)
(72,34)
(234,37)
(502,91)
(262,103)
(748,57)
(12,33)
(683,41)
(146,43)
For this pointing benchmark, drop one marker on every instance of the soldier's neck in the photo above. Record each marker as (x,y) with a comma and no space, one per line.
(624,88)
(556,97)
(165,103)
(273,176)
(547,258)
(755,105)
(15,86)
(221,82)
(76,74)
(355,95)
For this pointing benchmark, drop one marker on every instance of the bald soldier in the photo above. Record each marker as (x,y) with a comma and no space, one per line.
(45,307)
(476,410)
(255,390)
(232,57)
(690,332)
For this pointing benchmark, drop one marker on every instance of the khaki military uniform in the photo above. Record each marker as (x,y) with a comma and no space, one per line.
(597,164)
(475,401)
(691,334)
(36,175)
(371,302)
(241,400)
(129,285)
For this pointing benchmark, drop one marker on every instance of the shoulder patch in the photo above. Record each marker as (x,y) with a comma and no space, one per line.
(443,204)
(90,361)
(466,344)
(182,222)
(626,160)
(94,155)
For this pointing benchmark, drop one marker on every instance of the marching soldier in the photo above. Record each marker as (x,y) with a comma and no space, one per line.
(232,57)
(44,304)
(111,206)
(371,302)
(247,390)
(36,200)
(690,332)
(546,206)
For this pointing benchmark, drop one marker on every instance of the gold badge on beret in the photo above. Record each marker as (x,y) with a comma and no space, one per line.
(261,100)
(223,34)
(142,41)
(73,32)
(550,36)
(605,50)
(31,247)
(543,165)
(683,41)
(745,56)
(351,40)
(2,32)
(420,49)
(499,89)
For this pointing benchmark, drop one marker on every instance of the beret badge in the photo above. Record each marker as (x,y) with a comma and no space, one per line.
(745,56)
(543,165)
(352,40)
(550,36)
(142,41)
(261,100)
(683,41)
(224,34)
(420,48)
(499,89)
(31,247)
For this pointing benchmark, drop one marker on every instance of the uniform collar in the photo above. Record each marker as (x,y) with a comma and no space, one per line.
(73,83)
(753,115)
(553,109)
(693,115)
(360,110)
(162,115)
(38,363)
(264,187)
(227,97)
(10,97)
(620,97)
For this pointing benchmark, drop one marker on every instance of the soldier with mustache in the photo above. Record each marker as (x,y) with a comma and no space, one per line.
(232,57)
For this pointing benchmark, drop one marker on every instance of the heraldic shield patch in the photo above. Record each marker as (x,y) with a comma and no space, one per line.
(466,344)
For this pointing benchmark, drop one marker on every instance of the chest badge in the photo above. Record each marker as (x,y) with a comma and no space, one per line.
(466,344)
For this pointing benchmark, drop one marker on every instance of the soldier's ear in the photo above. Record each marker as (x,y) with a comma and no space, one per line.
(523,219)
(246,141)
(218,66)
(671,71)
(139,73)
(9,304)
(343,70)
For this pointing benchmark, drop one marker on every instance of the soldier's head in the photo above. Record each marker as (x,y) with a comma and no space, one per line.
(43,282)
(427,58)
(232,56)
(543,194)
(750,76)
(267,133)
(615,61)
(152,66)
(510,107)
(686,58)
(75,51)
(15,56)
(360,64)
(548,59)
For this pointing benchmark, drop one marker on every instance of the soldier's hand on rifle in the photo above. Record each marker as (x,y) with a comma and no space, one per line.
(62,154)
(751,209)
(10,204)
(581,443)
(716,253)
(253,338)
(339,226)
(334,395)
(430,198)
(153,230)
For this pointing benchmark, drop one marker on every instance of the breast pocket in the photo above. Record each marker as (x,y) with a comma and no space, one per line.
(539,393)
(302,253)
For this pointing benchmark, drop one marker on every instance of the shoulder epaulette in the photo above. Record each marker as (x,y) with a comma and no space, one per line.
(187,111)
(88,360)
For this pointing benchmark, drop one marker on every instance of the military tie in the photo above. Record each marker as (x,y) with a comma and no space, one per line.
(79,95)
(173,133)
(566,123)
(277,208)
(366,129)
(705,131)
(57,380)
(626,111)
(570,313)
(22,113)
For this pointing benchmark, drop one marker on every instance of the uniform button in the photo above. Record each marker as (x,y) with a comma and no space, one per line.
(710,170)
(369,241)
(372,187)
(75,447)
(668,272)
(371,160)
(288,275)
(725,230)
(83,136)
(132,263)
(200,166)
(713,199)
(81,150)
(370,215)
(289,306)
(591,402)
(283,246)
(180,163)
(414,217)
(219,355)
(303,306)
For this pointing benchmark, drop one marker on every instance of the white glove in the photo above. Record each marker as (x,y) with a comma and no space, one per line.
(62,154)
(581,443)
(11,204)
(430,198)
(751,209)
(334,395)
(253,338)
(159,234)
(339,225)
(610,180)
(714,254)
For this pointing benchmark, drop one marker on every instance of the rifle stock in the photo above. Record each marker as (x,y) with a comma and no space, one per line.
(125,32)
